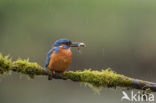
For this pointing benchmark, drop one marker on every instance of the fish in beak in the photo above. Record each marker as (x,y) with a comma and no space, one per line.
(77,44)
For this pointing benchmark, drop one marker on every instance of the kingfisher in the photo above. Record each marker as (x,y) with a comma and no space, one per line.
(60,56)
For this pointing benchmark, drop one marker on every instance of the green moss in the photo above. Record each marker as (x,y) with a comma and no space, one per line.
(21,66)
(104,78)
(26,67)
(148,90)
(5,64)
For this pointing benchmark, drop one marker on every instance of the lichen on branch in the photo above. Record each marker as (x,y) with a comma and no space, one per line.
(103,78)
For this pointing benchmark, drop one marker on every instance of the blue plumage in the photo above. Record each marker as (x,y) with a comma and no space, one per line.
(60,42)
(56,48)
(48,57)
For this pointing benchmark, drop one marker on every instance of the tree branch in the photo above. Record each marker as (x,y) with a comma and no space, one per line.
(104,78)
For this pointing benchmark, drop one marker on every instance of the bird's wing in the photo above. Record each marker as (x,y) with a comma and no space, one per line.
(49,57)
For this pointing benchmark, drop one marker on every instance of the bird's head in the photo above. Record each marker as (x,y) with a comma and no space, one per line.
(68,43)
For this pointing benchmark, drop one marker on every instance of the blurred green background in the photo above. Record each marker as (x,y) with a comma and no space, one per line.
(119,34)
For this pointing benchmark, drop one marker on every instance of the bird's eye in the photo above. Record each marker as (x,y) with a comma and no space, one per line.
(68,43)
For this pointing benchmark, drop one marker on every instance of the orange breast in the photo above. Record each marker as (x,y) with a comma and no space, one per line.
(60,61)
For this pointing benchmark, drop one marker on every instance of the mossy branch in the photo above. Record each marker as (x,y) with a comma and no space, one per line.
(104,78)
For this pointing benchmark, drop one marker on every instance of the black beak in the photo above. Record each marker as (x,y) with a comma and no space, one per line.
(77,44)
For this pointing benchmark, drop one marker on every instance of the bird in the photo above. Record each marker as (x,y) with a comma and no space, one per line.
(59,56)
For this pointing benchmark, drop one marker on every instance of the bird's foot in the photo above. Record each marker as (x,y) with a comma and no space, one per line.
(63,72)
(53,72)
